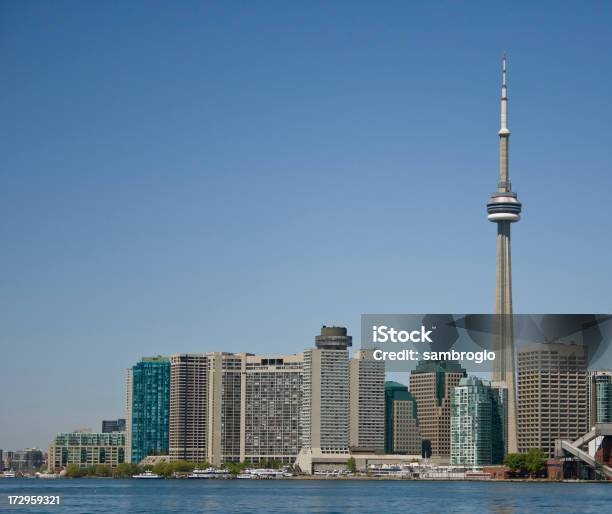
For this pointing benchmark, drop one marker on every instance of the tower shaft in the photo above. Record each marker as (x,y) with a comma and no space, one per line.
(504,208)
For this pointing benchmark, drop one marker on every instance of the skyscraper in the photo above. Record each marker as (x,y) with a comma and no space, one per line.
(552,395)
(476,424)
(325,399)
(402,433)
(271,403)
(148,408)
(189,417)
(432,383)
(600,397)
(367,408)
(504,208)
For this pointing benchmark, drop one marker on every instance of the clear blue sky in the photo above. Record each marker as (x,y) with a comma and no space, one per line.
(198,176)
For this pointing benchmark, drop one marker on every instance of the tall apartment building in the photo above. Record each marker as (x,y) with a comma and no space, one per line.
(325,400)
(402,434)
(432,383)
(367,402)
(86,449)
(189,406)
(271,392)
(476,424)
(148,411)
(552,395)
(600,397)
(235,407)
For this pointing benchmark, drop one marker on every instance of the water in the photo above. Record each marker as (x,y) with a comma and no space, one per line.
(309,496)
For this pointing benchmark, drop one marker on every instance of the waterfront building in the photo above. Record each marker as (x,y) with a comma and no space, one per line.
(431,384)
(271,404)
(28,460)
(367,402)
(402,434)
(325,394)
(86,449)
(503,208)
(552,395)
(600,396)
(189,418)
(113,425)
(148,408)
(476,424)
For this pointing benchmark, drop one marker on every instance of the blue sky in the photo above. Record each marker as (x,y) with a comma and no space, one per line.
(198,176)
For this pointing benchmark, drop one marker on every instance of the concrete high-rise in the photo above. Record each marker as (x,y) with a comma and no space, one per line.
(229,407)
(325,399)
(552,395)
(503,208)
(402,434)
(189,417)
(148,409)
(271,392)
(432,383)
(476,424)
(367,407)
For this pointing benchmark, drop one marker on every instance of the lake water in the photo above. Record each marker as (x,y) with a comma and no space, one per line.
(309,496)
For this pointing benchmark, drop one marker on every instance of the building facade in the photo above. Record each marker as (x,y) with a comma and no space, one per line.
(402,434)
(148,408)
(271,405)
(552,395)
(476,424)
(367,402)
(325,398)
(431,384)
(600,397)
(113,425)
(86,449)
(189,416)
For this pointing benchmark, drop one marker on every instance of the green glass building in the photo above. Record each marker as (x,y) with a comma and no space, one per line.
(148,408)
(477,423)
(401,425)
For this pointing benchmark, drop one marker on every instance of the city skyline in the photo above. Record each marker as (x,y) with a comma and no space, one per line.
(192,204)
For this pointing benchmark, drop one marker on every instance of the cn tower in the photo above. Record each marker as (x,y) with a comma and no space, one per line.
(504,209)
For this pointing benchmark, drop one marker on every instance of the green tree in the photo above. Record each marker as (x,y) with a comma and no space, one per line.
(101,470)
(164,469)
(351,465)
(515,461)
(74,471)
(183,466)
(535,461)
(126,470)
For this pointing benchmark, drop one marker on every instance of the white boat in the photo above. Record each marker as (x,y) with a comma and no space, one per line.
(264,473)
(209,473)
(147,475)
(9,474)
(47,475)
(245,476)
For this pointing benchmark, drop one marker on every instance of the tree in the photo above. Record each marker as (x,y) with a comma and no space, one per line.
(101,470)
(535,461)
(126,470)
(74,471)
(515,461)
(164,469)
(351,465)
